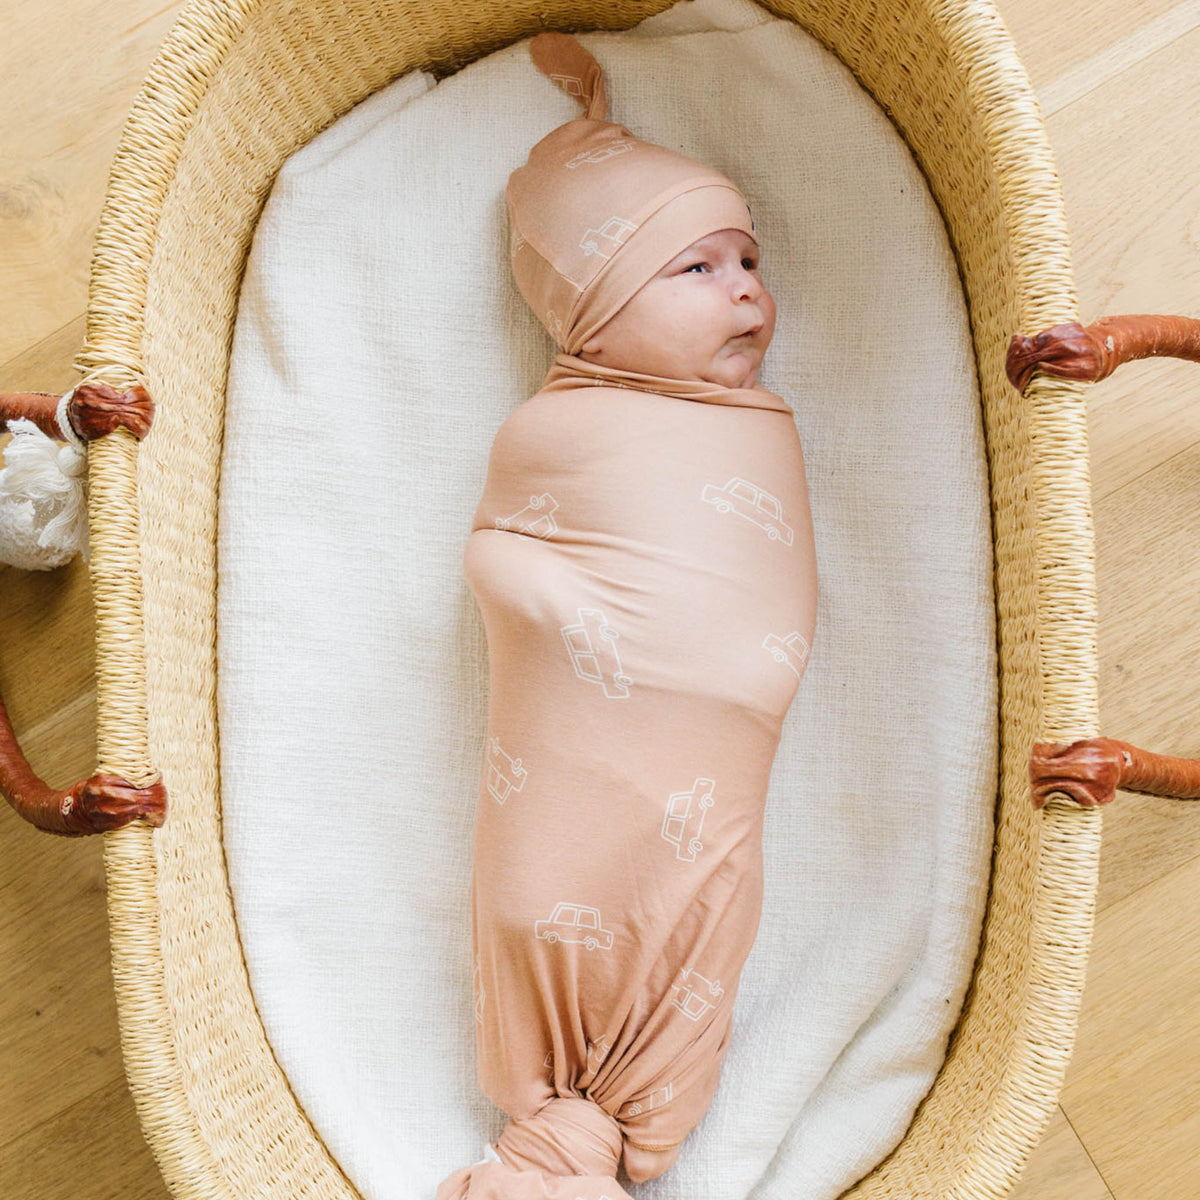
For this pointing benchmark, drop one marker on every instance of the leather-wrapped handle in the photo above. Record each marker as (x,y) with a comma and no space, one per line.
(1072,352)
(1093,770)
(93,411)
(102,801)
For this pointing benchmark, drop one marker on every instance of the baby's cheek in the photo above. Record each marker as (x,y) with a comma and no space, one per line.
(768,307)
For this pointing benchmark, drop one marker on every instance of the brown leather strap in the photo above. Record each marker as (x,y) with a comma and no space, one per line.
(101,802)
(38,407)
(94,410)
(93,805)
(1072,352)
(1091,772)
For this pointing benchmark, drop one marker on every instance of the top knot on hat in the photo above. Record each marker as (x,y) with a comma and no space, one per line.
(595,211)
(560,57)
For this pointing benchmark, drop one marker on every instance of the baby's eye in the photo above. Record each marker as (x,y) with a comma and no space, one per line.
(694,266)
(750,264)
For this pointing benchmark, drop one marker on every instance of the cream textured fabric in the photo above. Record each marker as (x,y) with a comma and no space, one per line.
(353,681)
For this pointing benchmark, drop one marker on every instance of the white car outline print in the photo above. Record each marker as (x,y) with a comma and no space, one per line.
(792,650)
(592,646)
(531,519)
(575,923)
(682,820)
(505,774)
(748,500)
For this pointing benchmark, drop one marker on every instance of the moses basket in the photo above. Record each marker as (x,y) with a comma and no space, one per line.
(240,85)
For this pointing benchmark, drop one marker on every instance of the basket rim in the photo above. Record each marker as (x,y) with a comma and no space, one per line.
(142,172)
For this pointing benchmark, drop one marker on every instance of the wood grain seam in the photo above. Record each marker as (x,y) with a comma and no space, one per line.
(1144,42)
(1083,1146)
(59,1114)
(1162,462)
(31,349)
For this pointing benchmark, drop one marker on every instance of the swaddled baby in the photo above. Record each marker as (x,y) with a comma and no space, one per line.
(643,560)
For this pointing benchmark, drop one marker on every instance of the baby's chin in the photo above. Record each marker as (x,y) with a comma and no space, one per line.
(736,371)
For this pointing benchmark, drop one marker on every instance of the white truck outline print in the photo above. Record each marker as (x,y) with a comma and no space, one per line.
(597,1052)
(505,774)
(656,1099)
(791,650)
(748,500)
(575,923)
(688,998)
(615,231)
(683,817)
(532,519)
(599,154)
(592,647)
(478,974)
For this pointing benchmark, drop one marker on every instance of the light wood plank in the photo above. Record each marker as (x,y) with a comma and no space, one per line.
(1147,550)
(1132,1087)
(49,635)
(1131,182)
(1086,39)
(1061,1168)
(71,72)
(91,1150)
(1156,26)
(1148,565)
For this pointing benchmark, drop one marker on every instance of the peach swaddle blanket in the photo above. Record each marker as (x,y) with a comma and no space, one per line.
(644,562)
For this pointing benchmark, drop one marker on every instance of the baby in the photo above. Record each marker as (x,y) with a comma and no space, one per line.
(643,559)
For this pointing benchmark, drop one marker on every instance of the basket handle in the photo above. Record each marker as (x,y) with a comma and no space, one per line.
(1072,352)
(1092,770)
(102,801)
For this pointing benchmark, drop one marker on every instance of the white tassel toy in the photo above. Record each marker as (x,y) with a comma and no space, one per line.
(43,496)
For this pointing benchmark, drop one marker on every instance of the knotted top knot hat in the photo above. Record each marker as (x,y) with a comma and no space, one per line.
(595,211)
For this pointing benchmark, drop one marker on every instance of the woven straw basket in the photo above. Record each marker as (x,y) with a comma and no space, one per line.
(238,87)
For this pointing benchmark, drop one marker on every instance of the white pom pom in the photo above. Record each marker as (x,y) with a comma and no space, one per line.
(43,499)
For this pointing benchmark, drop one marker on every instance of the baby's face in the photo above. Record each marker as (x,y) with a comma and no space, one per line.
(705,315)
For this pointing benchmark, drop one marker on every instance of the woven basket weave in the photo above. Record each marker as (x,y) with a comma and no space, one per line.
(239,86)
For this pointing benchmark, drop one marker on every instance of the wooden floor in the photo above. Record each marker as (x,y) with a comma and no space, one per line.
(1119,86)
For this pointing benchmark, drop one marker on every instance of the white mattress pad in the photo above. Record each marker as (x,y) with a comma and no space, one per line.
(380,342)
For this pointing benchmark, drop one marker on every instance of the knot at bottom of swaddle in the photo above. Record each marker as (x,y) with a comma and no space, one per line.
(568,1150)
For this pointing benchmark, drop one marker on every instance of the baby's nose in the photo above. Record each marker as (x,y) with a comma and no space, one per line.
(747,285)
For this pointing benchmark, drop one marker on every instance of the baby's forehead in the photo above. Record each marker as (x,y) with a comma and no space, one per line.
(720,237)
